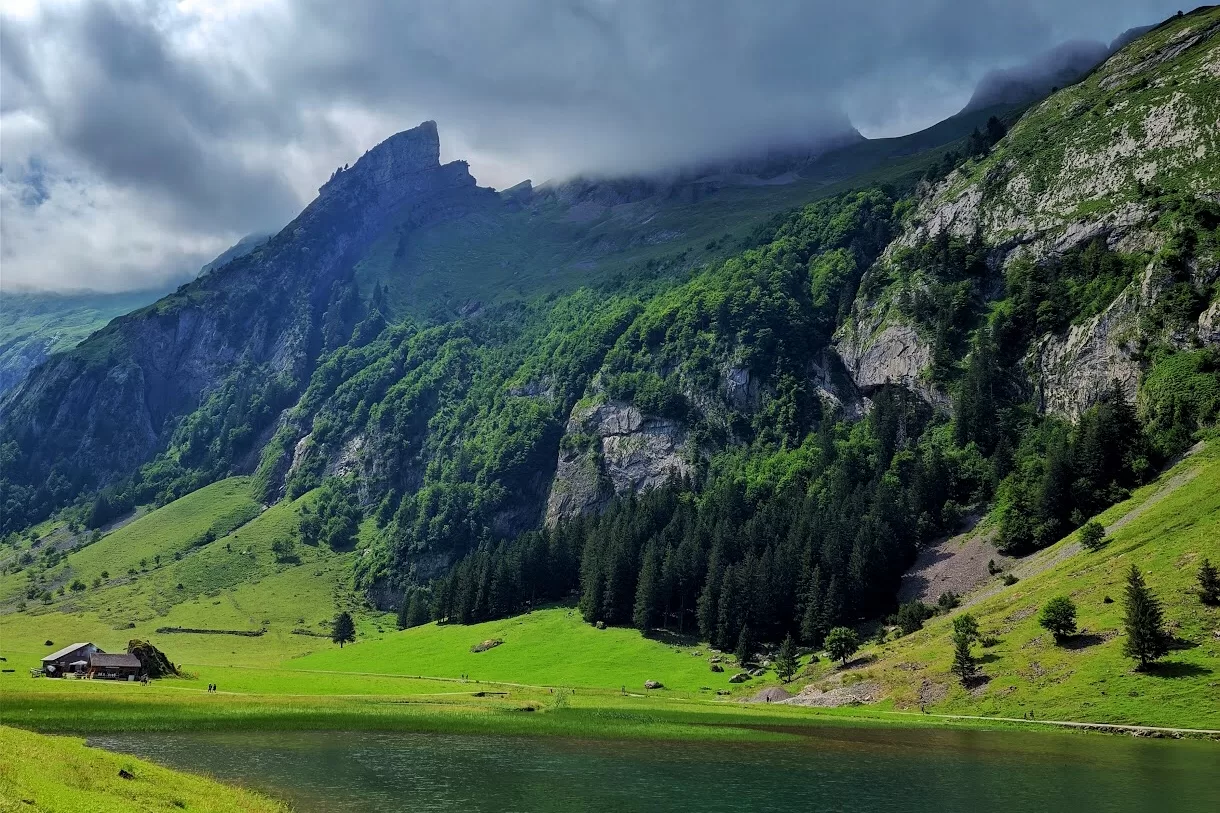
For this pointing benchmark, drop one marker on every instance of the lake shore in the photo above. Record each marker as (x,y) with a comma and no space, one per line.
(441,706)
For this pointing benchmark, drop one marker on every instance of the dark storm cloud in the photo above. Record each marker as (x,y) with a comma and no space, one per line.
(158,132)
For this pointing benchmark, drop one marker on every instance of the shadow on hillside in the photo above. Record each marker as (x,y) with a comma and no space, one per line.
(1176,643)
(1177,669)
(855,663)
(672,638)
(1083,640)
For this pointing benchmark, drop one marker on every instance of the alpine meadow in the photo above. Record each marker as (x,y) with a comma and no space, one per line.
(827,469)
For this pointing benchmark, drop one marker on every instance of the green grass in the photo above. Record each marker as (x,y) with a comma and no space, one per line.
(232,583)
(1029,673)
(410,679)
(63,775)
(551,647)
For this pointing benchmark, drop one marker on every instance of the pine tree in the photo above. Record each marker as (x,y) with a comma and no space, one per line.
(812,631)
(647,591)
(344,630)
(403,609)
(787,662)
(1146,637)
(745,646)
(1209,583)
(964,664)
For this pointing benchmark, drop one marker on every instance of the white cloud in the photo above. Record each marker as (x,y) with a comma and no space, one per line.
(138,137)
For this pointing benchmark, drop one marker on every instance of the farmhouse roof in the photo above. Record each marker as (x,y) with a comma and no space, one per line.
(103,660)
(68,650)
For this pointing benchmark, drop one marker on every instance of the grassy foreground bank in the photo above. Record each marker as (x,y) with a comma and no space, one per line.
(63,775)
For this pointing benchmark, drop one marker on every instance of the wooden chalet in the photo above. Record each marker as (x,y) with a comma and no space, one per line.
(72,659)
(114,667)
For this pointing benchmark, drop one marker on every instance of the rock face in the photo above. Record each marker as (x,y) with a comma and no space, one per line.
(1072,372)
(896,355)
(1085,164)
(109,404)
(610,449)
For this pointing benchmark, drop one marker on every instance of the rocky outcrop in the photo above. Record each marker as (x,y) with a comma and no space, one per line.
(610,449)
(1072,372)
(834,385)
(1085,164)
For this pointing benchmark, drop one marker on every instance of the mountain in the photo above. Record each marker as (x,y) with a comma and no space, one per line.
(239,249)
(683,397)
(34,325)
(1059,67)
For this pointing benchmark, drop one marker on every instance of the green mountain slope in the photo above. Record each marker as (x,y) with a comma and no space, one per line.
(1166,529)
(749,446)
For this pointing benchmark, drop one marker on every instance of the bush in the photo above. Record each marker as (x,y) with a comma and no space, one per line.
(1010,580)
(1059,616)
(842,643)
(947,601)
(1093,536)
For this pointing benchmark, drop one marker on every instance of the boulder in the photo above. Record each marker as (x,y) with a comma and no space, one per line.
(717,667)
(740,677)
(653,684)
(601,625)
(483,646)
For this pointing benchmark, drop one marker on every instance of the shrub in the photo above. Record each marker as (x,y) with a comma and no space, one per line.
(1059,616)
(1209,583)
(1093,536)
(948,601)
(1010,580)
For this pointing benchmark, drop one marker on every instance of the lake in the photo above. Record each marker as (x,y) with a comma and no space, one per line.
(859,769)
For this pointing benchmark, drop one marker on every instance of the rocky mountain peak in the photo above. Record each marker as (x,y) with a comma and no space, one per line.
(402,154)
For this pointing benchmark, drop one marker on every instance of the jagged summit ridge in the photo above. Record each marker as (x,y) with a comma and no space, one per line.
(398,157)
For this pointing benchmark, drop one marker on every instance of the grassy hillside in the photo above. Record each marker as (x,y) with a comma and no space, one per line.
(62,775)
(234,583)
(551,647)
(1166,528)
(162,572)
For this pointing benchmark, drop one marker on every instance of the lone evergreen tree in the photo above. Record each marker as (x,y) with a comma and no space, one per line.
(1146,638)
(966,626)
(1209,583)
(964,664)
(745,646)
(787,662)
(344,630)
(1059,616)
(842,643)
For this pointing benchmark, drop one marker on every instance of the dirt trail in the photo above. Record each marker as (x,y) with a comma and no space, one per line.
(1130,729)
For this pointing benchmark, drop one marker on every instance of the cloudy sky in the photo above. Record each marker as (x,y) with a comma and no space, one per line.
(138,138)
